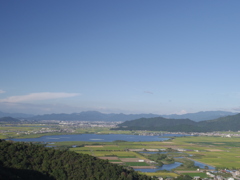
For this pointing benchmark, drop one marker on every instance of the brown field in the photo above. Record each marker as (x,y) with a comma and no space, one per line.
(116,162)
(130,159)
(212,150)
(93,146)
(109,158)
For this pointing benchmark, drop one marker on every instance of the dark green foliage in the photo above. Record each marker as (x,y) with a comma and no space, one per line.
(22,174)
(25,161)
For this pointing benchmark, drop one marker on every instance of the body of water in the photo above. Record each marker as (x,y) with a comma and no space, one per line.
(176,164)
(164,167)
(93,138)
(202,165)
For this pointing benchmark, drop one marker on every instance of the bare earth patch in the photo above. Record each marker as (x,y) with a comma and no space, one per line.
(109,158)
(93,146)
(212,150)
(130,159)
(116,162)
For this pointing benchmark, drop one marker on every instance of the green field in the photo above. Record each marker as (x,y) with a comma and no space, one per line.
(202,175)
(136,164)
(161,174)
(213,151)
(115,161)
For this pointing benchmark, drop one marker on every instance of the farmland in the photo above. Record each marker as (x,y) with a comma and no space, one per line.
(219,152)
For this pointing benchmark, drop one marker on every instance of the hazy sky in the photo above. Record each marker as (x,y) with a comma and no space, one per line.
(158,56)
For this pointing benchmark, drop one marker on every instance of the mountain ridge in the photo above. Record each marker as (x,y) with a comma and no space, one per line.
(227,123)
(98,116)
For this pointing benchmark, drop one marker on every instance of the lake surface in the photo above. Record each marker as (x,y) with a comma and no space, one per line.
(94,138)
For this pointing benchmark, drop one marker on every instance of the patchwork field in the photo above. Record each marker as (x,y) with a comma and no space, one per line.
(214,151)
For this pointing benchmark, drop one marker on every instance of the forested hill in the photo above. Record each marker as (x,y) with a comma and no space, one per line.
(227,123)
(183,125)
(159,124)
(9,120)
(20,161)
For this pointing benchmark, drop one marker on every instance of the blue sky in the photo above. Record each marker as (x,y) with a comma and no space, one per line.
(136,56)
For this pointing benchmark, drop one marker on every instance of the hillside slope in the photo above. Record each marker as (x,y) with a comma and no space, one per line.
(29,161)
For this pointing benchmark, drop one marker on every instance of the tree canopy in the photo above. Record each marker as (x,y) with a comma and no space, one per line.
(20,160)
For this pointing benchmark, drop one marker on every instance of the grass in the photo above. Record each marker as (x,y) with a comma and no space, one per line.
(127,156)
(114,161)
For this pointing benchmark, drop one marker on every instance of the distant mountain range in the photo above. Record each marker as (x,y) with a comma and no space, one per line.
(9,120)
(92,116)
(200,116)
(97,116)
(222,121)
(15,115)
(183,125)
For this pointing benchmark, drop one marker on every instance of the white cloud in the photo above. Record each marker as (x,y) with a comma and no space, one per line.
(38,96)
(1,91)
